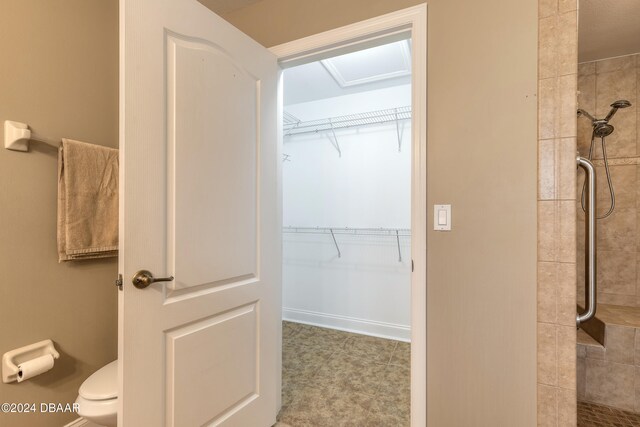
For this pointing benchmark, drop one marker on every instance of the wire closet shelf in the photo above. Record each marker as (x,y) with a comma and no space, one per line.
(402,232)
(294,126)
(333,231)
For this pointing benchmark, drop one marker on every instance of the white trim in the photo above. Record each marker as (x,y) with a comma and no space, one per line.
(349,324)
(80,422)
(413,19)
(362,32)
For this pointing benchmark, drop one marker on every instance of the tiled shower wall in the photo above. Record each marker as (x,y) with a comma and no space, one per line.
(557,74)
(600,83)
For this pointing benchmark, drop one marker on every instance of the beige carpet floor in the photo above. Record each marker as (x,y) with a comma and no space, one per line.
(333,378)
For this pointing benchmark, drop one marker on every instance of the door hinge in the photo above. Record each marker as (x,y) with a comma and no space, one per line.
(412,266)
(119,282)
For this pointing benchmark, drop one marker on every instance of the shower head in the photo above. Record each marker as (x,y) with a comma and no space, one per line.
(622,103)
(602,129)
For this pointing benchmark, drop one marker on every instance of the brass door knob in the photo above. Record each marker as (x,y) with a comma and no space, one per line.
(144,278)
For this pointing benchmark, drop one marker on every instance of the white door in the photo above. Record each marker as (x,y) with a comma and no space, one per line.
(200,202)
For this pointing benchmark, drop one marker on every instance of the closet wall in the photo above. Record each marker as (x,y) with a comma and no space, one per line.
(366,289)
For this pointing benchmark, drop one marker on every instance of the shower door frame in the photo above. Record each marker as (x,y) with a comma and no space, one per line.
(358,36)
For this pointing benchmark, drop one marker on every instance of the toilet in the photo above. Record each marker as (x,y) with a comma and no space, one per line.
(98,396)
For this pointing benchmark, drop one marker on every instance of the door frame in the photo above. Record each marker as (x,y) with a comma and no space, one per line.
(352,37)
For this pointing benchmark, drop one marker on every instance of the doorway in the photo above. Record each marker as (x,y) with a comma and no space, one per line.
(347,238)
(409,26)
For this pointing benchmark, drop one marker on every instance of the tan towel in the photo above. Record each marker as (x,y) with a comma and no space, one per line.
(87,201)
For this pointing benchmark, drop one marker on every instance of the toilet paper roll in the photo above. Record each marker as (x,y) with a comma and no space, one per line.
(34,367)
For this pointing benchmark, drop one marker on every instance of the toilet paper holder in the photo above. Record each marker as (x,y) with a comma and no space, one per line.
(13,358)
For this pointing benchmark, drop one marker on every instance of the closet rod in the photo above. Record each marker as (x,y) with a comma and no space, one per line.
(293,126)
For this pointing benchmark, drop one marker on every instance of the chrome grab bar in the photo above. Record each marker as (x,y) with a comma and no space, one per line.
(591,285)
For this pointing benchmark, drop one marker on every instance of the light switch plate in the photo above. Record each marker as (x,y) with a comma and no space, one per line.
(442,217)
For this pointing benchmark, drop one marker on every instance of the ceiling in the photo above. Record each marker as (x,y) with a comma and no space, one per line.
(608,28)
(225,6)
(364,70)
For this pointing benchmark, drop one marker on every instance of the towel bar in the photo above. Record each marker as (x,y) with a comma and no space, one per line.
(17,136)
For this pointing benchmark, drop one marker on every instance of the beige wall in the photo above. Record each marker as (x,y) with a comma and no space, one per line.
(482,160)
(59,74)
(600,83)
(557,102)
(481,277)
(272,22)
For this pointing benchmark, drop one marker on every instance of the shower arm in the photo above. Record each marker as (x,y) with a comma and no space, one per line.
(591,285)
(587,115)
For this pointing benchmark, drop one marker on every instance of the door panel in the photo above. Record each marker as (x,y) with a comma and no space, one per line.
(199,201)
(218,140)
(189,367)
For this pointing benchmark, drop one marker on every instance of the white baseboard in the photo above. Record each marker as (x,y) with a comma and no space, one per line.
(349,324)
(81,422)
